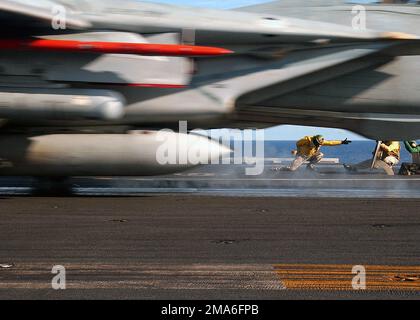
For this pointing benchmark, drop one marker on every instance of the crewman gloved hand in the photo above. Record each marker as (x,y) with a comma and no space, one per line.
(346,141)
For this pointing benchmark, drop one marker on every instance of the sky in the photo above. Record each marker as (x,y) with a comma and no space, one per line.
(280,132)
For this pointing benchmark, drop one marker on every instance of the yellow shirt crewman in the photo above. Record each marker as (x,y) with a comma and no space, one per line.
(386,159)
(391,151)
(308,149)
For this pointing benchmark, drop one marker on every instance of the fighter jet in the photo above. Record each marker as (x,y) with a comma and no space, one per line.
(85,86)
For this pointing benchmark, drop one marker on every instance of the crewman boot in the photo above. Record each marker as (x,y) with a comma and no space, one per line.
(311,167)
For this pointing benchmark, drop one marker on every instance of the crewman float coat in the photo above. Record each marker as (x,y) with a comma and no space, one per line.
(394,149)
(410,148)
(415,152)
(306,148)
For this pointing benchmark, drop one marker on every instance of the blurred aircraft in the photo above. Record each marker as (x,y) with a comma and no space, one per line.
(79,79)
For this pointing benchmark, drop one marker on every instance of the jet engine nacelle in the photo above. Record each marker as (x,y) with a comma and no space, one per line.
(144,153)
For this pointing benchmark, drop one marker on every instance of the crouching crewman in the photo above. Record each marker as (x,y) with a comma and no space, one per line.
(308,149)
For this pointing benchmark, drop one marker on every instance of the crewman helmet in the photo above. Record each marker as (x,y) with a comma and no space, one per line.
(318,140)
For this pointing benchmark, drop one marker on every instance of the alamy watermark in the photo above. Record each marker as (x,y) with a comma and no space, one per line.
(58,282)
(224,146)
(59,17)
(359,280)
(359,21)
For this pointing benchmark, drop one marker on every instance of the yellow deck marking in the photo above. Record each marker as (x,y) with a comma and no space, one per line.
(339,277)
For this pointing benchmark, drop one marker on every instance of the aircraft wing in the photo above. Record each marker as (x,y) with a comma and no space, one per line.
(29,17)
(295,71)
(272,93)
(368,94)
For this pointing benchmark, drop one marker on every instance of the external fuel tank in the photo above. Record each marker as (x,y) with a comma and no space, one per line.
(144,153)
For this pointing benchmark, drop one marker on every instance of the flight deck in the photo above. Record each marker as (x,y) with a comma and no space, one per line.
(214,233)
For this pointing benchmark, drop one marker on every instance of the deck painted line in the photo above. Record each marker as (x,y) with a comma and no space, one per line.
(336,277)
(37,276)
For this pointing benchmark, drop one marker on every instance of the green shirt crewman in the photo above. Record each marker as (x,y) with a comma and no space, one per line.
(414,149)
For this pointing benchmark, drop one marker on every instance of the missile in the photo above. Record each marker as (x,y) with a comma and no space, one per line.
(173,50)
(61,104)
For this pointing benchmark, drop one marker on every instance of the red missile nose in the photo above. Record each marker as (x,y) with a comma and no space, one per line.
(204,51)
(112,47)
